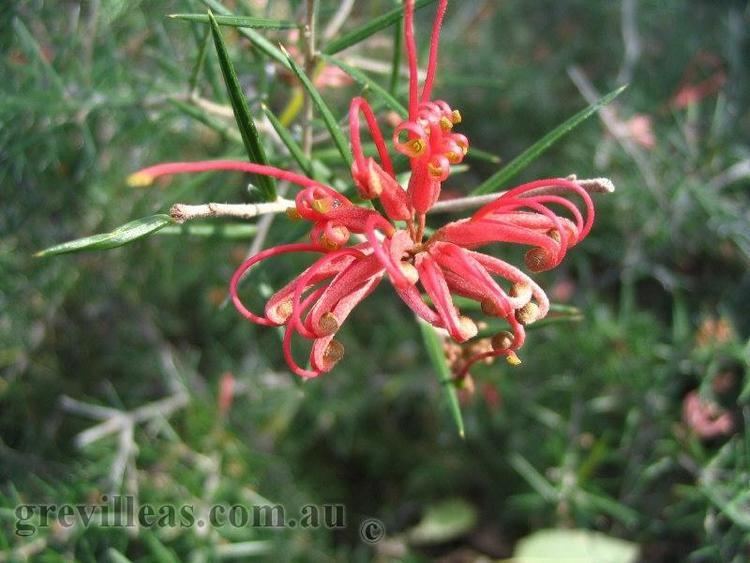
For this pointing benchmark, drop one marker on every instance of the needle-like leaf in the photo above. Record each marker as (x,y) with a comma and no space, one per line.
(510,170)
(238,21)
(286,137)
(373,26)
(257,40)
(325,112)
(371,84)
(437,357)
(245,123)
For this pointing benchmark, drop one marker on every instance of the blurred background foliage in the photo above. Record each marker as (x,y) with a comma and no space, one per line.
(609,425)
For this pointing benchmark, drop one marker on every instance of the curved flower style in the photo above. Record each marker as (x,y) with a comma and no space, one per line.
(317,302)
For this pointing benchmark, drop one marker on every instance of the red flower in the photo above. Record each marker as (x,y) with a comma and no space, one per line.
(317,302)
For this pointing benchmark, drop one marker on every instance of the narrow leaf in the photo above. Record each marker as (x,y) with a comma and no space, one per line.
(125,234)
(368,82)
(435,353)
(242,113)
(497,180)
(479,154)
(325,111)
(257,40)
(210,122)
(237,21)
(373,26)
(193,83)
(116,557)
(286,137)
(229,231)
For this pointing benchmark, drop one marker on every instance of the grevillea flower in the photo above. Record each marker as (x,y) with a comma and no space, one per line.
(392,245)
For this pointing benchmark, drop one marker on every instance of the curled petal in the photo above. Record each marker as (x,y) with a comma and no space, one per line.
(436,287)
(411,139)
(286,343)
(375,182)
(510,272)
(279,306)
(249,263)
(470,234)
(392,266)
(325,350)
(341,291)
(471,274)
(358,105)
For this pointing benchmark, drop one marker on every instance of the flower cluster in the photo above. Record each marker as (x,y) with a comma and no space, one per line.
(392,244)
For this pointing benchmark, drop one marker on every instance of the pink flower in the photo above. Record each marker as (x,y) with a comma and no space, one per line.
(706,419)
(317,302)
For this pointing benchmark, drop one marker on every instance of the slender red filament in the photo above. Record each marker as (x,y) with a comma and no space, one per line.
(434,44)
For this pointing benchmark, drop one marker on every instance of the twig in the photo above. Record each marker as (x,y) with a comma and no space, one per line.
(182,212)
(735,172)
(119,420)
(591,185)
(630,39)
(379,67)
(616,128)
(311,8)
(338,19)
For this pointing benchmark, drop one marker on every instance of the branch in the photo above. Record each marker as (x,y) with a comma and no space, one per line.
(616,128)
(591,185)
(182,212)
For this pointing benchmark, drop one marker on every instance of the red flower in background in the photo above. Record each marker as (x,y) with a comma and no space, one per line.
(317,302)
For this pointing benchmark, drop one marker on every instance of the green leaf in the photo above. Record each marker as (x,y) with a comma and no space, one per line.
(32,48)
(443,522)
(479,154)
(373,26)
(125,234)
(115,556)
(437,357)
(193,82)
(515,166)
(257,40)
(210,122)
(325,112)
(237,21)
(229,231)
(242,113)
(574,546)
(286,137)
(537,481)
(368,82)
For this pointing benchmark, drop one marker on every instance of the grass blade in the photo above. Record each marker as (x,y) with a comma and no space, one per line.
(237,21)
(373,26)
(286,137)
(435,353)
(368,82)
(325,112)
(122,235)
(241,112)
(511,169)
